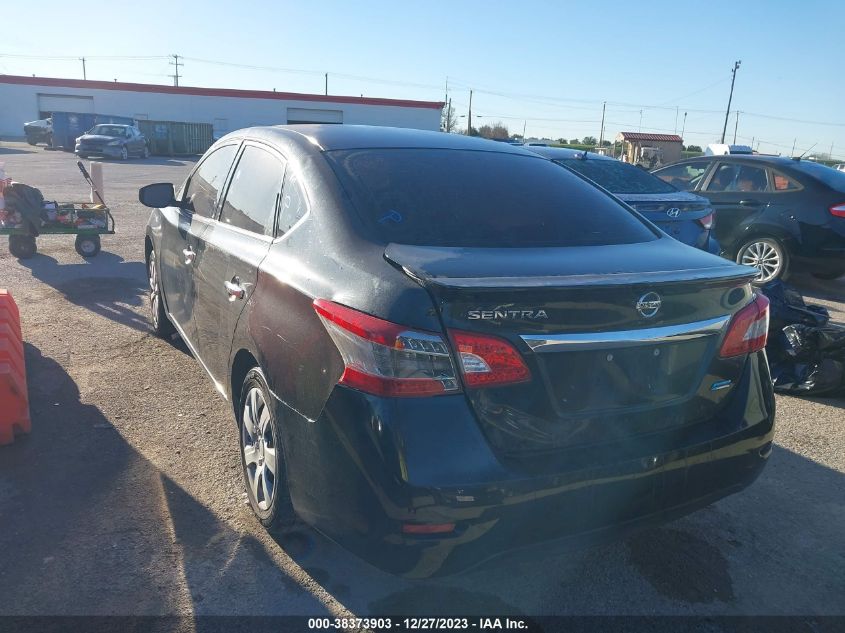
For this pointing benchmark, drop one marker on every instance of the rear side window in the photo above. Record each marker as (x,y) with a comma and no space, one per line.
(686,176)
(783,183)
(204,187)
(441,197)
(616,176)
(253,195)
(294,204)
(733,177)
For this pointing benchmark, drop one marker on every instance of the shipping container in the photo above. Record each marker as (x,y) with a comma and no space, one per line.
(172,138)
(67,126)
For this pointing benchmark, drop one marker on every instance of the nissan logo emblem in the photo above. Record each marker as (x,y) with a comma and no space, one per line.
(649,304)
(674,212)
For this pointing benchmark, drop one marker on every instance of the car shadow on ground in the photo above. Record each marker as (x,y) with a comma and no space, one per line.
(13,150)
(91,527)
(106,284)
(700,564)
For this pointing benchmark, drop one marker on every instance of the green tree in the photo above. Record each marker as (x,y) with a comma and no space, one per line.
(574,141)
(589,140)
(693,148)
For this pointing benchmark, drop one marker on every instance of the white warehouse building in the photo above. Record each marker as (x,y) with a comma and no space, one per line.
(24,99)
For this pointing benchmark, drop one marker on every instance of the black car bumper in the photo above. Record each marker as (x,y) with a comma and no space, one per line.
(369,467)
(109,151)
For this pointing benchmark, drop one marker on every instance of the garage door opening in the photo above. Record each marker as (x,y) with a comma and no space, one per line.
(47,104)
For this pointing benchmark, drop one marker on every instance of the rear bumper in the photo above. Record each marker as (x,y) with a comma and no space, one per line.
(368,466)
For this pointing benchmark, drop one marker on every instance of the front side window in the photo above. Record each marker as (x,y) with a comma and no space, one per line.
(455,198)
(253,195)
(685,177)
(204,187)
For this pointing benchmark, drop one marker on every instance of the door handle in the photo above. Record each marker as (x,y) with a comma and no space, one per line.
(234,289)
(190,255)
(750,203)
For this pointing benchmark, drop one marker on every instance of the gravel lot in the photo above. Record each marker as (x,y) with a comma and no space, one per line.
(127,496)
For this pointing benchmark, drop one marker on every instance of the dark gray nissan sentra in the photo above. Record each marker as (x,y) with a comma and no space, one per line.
(438,348)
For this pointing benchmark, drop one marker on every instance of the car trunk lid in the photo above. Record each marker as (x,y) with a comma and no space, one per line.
(620,340)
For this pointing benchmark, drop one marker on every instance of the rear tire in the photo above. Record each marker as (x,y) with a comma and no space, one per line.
(767,255)
(159,321)
(22,246)
(88,245)
(262,455)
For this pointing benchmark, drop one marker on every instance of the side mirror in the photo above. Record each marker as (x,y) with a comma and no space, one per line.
(158,195)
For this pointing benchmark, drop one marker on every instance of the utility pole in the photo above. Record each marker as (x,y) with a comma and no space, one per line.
(84,74)
(469,115)
(525,125)
(676,119)
(793,147)
(830,153)
(176,65)
(601,132)
(730,97)
(685,126)
(641,122)
(327,84)
(736,125)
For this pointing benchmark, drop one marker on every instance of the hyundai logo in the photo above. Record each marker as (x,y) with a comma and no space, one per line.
(649,304)
(674,212)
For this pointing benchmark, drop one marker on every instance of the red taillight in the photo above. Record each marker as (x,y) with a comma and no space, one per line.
(488,361)
(387,359)
(748,329)
(706,222)
(838,210)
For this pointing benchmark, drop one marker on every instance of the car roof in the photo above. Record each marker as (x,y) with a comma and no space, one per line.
(565,152)
(341,137)
(741,158)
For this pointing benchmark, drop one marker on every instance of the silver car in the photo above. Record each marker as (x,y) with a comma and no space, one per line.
(112,141)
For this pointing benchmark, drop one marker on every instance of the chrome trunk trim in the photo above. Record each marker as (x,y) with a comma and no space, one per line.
(544,343)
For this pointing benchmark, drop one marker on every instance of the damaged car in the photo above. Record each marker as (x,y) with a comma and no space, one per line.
(439,348)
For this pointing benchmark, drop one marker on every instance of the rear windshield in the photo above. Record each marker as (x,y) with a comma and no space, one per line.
(442,197)
(617,177)
(833,178)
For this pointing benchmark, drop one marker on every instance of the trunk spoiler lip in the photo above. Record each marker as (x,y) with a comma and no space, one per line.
(715,274)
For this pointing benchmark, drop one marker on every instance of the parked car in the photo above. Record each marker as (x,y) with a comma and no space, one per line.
(40,131)
(112,141)
(437,347)
(685,216)
(776,214)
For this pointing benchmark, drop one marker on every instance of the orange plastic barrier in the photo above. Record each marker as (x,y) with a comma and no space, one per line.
(14,401)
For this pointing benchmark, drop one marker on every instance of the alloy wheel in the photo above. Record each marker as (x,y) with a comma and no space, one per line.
(765,256)
(258,446)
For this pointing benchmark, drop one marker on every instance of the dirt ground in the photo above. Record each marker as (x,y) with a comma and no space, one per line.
(127,496)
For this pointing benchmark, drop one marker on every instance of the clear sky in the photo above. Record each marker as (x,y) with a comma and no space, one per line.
(548,65)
